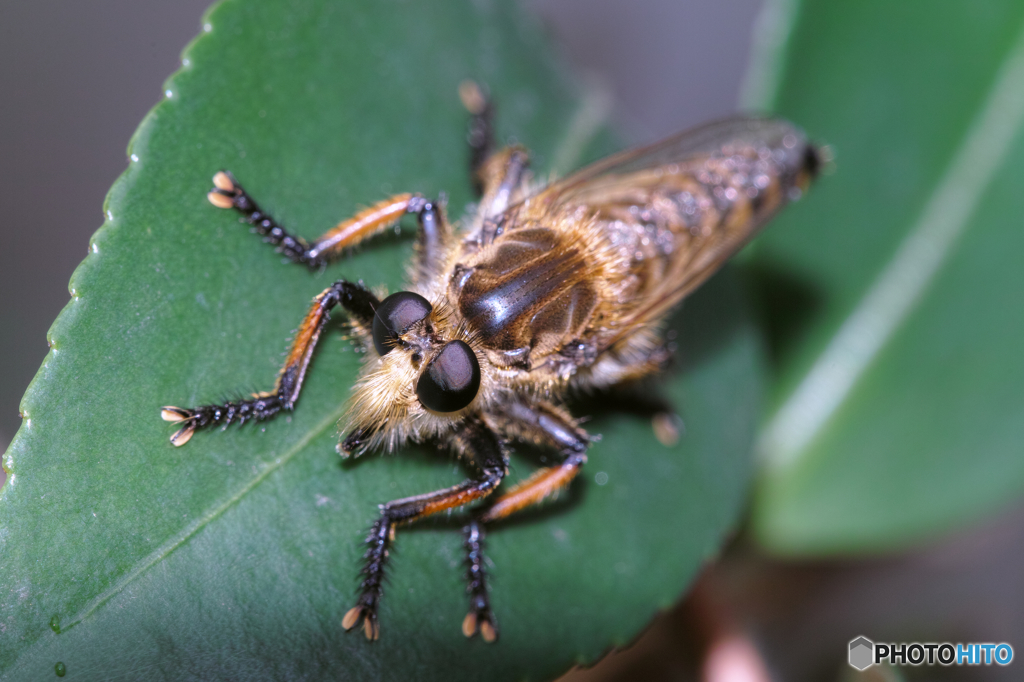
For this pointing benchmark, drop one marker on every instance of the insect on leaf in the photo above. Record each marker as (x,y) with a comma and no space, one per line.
(237,555)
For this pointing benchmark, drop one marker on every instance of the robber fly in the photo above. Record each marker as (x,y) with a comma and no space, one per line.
(543,290)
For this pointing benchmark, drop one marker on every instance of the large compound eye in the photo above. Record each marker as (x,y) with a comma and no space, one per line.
(395,314)
(451,380)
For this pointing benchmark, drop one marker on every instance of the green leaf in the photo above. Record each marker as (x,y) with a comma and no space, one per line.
(237,555)
(899,409)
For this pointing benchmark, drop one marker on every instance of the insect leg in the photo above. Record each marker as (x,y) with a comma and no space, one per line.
(495,175)
(481,130)
(482,450)
(546,425)
(480,615)
(643,355)
(502,175)
(227,193)
(432,239)
(360,304)
(542,424)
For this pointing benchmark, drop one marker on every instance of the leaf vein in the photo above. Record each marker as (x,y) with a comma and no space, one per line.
(202,521)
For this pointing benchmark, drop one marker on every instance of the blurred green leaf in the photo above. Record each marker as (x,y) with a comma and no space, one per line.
(899,405)
(236,556)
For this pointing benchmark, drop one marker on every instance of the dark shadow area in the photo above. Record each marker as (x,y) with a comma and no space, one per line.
(432,453)
(786,305)
(708,319)
(642,399)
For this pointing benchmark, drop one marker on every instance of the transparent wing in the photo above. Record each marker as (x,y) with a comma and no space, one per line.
(686,150)
(704,193)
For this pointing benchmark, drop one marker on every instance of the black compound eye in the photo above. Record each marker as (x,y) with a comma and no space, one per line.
(451,380)
(395,314)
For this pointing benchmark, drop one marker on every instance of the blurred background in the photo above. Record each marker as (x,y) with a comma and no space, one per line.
(79,77)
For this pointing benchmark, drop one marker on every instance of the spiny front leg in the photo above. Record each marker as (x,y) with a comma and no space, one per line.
(359,303)
(481,449)
(432,241)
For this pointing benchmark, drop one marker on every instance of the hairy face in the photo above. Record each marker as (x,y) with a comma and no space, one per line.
(424,375)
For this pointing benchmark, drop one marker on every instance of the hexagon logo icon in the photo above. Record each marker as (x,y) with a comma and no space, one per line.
(862,653)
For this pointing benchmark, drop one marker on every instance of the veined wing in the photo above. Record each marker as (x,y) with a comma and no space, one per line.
(701,195)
